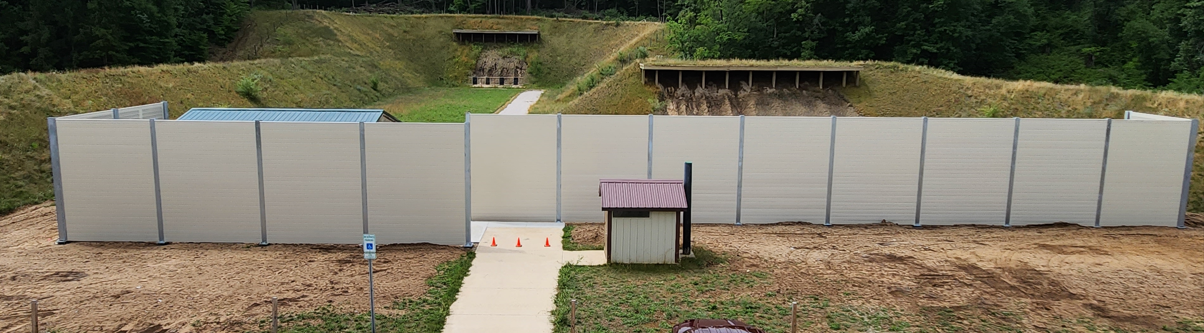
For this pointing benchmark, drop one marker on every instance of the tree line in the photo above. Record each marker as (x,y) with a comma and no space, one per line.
(43,35)
(1139,44)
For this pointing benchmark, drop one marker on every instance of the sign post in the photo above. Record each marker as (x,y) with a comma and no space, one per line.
(370,254)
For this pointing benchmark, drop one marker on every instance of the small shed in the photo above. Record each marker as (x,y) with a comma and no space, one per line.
(643,220)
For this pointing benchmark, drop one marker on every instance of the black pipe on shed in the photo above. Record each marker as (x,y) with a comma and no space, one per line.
(687,181)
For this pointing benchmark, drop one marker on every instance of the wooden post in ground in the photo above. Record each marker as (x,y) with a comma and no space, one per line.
(821,80)
(793,317)
(750,85)
(33,315)
(796,75)
(656,74)
(727,80)
(679,83)
(275,316)
(774,83)
(844,79)
(704,80)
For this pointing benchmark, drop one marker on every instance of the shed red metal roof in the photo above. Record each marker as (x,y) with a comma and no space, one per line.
(649,194)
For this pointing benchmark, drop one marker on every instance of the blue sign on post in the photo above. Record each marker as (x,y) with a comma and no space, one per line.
(369,246)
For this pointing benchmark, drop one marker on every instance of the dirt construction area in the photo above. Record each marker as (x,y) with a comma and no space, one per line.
(1038,278)
(141,287)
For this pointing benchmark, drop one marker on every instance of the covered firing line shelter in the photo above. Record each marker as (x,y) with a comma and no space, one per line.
(756,76)
(496,36)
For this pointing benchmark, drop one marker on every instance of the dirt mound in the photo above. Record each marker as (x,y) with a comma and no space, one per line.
(497,63)
(141,287)
(715,101)
(589,233)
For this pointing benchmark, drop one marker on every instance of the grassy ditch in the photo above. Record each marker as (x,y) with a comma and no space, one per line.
(653,298)
(446,105)
(423,314)
(567,243)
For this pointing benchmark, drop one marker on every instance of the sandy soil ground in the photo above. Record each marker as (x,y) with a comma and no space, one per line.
(135,287)
(1129,277)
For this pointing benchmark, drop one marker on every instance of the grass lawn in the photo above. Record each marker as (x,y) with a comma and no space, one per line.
(446,105)
(426,314)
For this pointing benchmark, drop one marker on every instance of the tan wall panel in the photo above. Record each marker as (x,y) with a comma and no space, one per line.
(311,174)
(1057,171)
(209,181)
(108,180)
(966,170)
(416,182)
(599,147)
(785,169)
(876,170)
(645,240)
(514,168)
(1144,179)
(712,144)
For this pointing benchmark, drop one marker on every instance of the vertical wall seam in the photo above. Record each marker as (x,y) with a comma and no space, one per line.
(649,146)
(467,179)
(166,111)
(154,141)
(364,177)
(1099,200)
(1007,215)
(559,186)
(740,174)
(263,212)
(1192,138)
(57,176)
(920,181)
(831,165)
(116,113)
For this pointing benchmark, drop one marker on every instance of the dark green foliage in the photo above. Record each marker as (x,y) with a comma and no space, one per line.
(248,87)
(47,35)
(1132,44)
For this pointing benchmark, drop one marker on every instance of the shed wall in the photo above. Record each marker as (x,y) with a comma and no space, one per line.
(108,180)
(514,168)
(650,240)
(209,181)
(1058,164)
(312,182)
(712,143)
(1145,169)
(415,182)
(597,147)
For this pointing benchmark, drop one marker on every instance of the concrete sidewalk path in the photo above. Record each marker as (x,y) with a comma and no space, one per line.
(522,103)
(511,289)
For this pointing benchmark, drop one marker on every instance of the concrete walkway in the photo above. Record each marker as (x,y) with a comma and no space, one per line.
(522,103)
(511,289)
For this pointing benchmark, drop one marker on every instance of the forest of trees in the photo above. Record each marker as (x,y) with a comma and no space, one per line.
(1142,44)
(42,35)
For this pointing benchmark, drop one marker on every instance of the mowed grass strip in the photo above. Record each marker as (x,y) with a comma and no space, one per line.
(446,105)
(425,314)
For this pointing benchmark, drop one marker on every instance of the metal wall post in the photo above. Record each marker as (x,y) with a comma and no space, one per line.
(1193,138)
(467,179)
(116,113)
(920,182)
(364,177)
(166,111)
(740,173)
(1099,201)
(263,212)
(1007,216)
(154,141)
(57,175)
(559,197)
(649,146)
(831,165)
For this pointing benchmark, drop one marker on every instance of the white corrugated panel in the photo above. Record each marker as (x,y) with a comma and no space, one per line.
(108,180)
(599,147)
(649,240)
(785,169)
(712,144)
(1058,165)
(106,114)
(148,111)
(876,171)
(209,181)
(966,170)
(415,182)
(1133,115)
(514,168)
(311,174)
(1144,179)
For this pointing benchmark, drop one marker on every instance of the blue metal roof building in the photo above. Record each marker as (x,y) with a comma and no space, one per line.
(290,115)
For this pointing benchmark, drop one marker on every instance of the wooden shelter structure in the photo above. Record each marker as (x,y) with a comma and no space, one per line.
(693,76)
(496,36)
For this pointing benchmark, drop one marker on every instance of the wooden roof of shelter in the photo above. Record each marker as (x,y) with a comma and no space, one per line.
(517,32)
(751,68)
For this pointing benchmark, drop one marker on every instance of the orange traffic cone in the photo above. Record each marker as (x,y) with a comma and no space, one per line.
(519,242)
(494,243)
(547,242)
